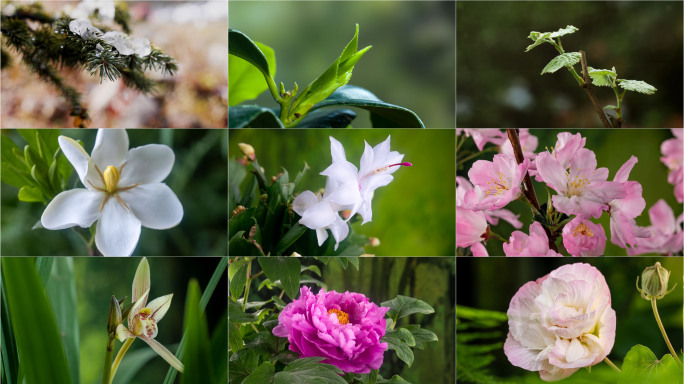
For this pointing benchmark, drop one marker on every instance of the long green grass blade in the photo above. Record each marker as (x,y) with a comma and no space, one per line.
(213,282)
(197,361)
(35,329)
(61,290)
(43,267)
(10,360)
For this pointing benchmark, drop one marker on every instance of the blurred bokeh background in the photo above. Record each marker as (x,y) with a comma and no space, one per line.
(192,32)
(198,178)
(97,279)
(499,84)
(430,279)
(412,216)
(411,63)
(478,278)
(613,147)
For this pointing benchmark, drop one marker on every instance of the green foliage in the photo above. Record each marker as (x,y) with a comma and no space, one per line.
(642,366)
(637,86)
(283,269)
(246,68)
(547,37)
(478,336)
(198,359)
(562,60)
(402,306)
(602,77)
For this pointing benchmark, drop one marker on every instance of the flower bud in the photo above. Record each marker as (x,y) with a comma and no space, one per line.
(374,241)
(114,318)
(247,150)
(654,281)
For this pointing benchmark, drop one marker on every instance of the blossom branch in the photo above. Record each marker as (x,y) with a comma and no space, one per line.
(590,92)
(529,188)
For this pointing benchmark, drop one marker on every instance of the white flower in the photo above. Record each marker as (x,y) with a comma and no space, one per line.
(354,189)
(319,213)
(124,191)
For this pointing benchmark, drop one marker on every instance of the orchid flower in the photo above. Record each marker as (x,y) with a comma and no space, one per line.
(123,191)
(144,316)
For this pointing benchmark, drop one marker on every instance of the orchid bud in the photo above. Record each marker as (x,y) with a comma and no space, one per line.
(295,254)
(115,318)
(654,281)
(247,150)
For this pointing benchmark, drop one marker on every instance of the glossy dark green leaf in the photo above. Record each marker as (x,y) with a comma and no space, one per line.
(243,221)
(403,306)
(252,116)
(36,333)
(237,315)
(400,340)
(393,116)
(239,246)
(237,274)
(246,81)
(328,118)
(263,374)
(243,47)
(285,269)
(242,364)
(309,370)
(289,238)
(421,335)
(197,357)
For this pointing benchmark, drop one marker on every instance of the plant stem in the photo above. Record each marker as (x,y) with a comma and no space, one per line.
(119,357)
(373,376)
(476,154)
(610,363)
(109,354)
(529,188)
(273,88)
(247,285)
(662,330)
(590,92)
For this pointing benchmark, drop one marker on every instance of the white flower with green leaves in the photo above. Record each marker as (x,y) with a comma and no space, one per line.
(124,191)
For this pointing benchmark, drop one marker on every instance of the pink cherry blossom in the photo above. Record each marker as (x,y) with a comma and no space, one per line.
(623,228)
(582,188)
(673,158)
(564,150)
(561,322)
(463,186)
(496,182)
(581,237)
(470,227)
(536,244)
(528,143)
(482,136)
(666,236)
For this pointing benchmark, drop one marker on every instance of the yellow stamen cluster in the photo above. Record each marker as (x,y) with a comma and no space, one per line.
(342,317)
(497,187)
(582,230)
(145,312)
(111,178)
(578,183)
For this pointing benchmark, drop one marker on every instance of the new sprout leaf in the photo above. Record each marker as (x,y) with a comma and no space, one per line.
(354,96)
(403,306)
(285,269)
(563,60)
(30,194)
(246,81)
(563,31)
(252,116)
(637,86)
(602,77)
(243,47)
(538,38)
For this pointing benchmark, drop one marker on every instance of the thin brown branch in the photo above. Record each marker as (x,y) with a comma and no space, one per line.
(590,92)
(529,188)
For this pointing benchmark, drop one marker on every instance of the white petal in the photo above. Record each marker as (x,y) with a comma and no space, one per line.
(122,333)
(111,147)
(159,306)
(117,230)
(340,230)
(141,281)
(319,216)
(321,235)
(79,158)
(147,164)
(366,164)
(337,150)
(155,205)
(303,201)
(165,353)
(73,207)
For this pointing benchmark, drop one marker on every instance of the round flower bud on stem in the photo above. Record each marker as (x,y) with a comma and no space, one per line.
(115,318)
(654,281)
(247,150)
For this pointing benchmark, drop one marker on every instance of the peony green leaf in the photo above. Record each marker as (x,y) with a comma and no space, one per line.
(563,60)
(309,370)
(396,379)
(285,269)
(638,86)
(399,341)
(242,364)
(403,306)
(237,275)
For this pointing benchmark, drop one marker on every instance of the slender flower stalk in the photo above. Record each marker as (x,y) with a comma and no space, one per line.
(610,363)
(662,330)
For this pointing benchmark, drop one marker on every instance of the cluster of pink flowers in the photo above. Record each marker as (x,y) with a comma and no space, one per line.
(582,190)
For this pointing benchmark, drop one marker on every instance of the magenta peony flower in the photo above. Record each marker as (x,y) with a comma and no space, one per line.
(581,237)
(536,244)
(561,322)
(344,328)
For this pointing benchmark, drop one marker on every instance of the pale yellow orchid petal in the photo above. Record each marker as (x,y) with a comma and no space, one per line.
(122,333)
(165,354)
(141,281)
(159,306)
(137,307)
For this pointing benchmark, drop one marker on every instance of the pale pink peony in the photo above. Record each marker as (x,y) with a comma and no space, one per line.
(581,237)
(582,188)
(561,322)
(666,236)
(496,182)
(673,158)
(536,244)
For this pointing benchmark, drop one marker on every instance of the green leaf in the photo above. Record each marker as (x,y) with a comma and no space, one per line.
(637,86)
(243,221)
(641,365)
(400,340)
(239,246)
(237,274)
(285,269)
(263,374)
(396,379)
(197,359)
(538,38)
(219,352)
(301,174)
(234,339)
(602,77)
(135,361)
(421,335)
(394,116)
(252,116)
(37,336)
(30,194)
(243,47)
(307,371)
(563,31)
(328,118)
(61,290)
(289,238)
(563,60)
(237,315)
(15,171)
(242,364)
(337,75)
(246,81)
(403,306)
(313,268)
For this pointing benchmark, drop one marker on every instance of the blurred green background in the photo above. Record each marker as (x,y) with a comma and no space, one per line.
(479,278)
(198,178)
(97,279)
(411,63)
(499,84)
(430,279)
(613,147)
(412,216)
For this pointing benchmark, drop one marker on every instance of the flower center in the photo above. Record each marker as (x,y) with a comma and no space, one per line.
(111,178)
(144,325)
(497,187)
(342,317)
(577,182)
(582,230)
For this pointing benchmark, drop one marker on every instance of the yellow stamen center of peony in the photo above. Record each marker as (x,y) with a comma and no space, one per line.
(342,317)
(582,230)
(111,178)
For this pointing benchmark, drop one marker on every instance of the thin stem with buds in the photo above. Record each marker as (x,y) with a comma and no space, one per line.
(590,92)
